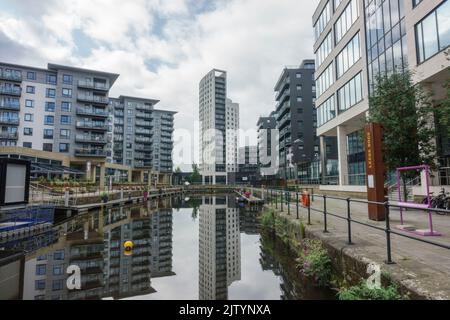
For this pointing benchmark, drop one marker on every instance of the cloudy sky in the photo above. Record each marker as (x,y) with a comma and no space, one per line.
(162,48)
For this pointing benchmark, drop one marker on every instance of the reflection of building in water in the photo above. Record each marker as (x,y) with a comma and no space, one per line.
(95,244)
(11,274)
(248,222)
(219,247)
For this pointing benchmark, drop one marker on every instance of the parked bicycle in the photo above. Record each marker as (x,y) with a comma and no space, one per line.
(441,201)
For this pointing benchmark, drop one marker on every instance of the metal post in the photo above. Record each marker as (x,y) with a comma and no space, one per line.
(388,234)
(349,222)
(325,230)
(296,201)
(281,200)
(309,209)
(312,193)
(288,199)
(276,200)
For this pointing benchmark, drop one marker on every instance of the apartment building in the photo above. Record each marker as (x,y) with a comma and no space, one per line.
(267,152)
(296,118)
(248,172)
(357,40)
(62,117)
(219,120)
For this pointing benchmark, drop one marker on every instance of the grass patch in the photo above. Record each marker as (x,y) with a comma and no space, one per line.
(363,292)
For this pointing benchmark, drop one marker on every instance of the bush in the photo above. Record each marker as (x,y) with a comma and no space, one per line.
(268,219)
(363,292)
(314,262)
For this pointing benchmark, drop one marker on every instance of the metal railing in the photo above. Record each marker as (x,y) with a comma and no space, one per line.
(283,200)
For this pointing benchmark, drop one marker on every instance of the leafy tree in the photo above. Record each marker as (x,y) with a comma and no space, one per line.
(407,113)
(195,177)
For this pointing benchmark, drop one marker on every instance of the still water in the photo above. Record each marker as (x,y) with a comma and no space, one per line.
(203,248)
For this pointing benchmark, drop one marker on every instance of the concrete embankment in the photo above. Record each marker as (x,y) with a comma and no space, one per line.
(419,279)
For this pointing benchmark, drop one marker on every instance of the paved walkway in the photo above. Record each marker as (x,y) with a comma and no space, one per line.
(421,266)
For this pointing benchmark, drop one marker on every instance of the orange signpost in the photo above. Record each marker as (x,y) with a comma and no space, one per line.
(375,170)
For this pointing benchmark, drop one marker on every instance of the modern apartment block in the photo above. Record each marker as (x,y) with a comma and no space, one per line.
(296,118)
(63,116)
(141,135)
(268,156)
(355,41)
(219,118)
(248,172)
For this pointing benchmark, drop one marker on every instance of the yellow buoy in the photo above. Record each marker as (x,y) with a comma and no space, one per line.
(128,246)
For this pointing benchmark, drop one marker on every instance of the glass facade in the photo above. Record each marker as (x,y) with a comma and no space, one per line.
(324,49)
(348,56)
(433,33)
(326,111)
(346,20)
(323,20)
(386,37)
(350,94)
(325,80)
(356,159)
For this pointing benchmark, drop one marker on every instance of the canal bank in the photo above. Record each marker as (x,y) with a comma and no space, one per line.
(419,271)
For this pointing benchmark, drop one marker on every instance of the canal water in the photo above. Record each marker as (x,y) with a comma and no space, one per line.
(206,248)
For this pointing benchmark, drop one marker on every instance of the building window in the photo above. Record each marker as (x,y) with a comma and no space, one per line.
(29,117)
(67,79)
(299,99)
(298,75)
(325,80)
(31,75)
(64,134)
(326,111)
(41,269)
(39,285)
(346,20)
(356,159)
(64,147)
(67,93)
(50,93)
(57,285)
(58,270)
(324,49)
(49,120)
(323,20)
(27,131)
(31,89)
(50,106)
(51,79)
(350,94)
(66,106)
(28,145)
(59,254)
(348,56)
(65,119)
(47,147)
(48,133)
(29,103)
(433,33)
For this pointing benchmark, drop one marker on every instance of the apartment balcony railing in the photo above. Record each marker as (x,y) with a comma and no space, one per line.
(167,129)
(143,140)
(11,91)
(283,98)
(93,99)
(10,76)
(143,115)
(141,156)
(142,164)
(283,87)
(101,113)
(93,85)
(285,107)
(90,153)
(284,121)
(9,136)
(139,147)
(144,107)
(143,124)
(118,139)
(6,105)
(144,132)
(91,126)
(9,121)
(90,139)
(118,130)
(119,114)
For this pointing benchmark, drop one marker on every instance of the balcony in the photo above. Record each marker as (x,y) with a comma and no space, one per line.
(143,164)
(10,76)
(284,108)
(97,113)
(141,156)
(118,139)
(140,147)
(90,139)
(93,85)
(284,85)
(144,132)
(143,115)
(9,121)
(93,99)
(284,121)
(11,91)
(91,126)
(8,105)
(143,123)
(94,153)
(8,136)
(143,140)
(120,114)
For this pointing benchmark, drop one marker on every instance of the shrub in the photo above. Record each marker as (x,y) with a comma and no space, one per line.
(268,219)
(314,262)
(363,292)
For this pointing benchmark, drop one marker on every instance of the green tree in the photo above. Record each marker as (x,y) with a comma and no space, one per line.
(407,113)
(195,176)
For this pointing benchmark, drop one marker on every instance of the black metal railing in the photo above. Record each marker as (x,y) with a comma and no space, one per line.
(280,199)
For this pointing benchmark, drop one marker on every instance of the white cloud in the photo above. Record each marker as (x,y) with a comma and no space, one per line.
(252,39)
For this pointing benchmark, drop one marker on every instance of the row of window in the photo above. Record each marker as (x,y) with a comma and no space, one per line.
(49,120)
(51,106)
(49,133)
(348,56)
(346,20)
(63,147)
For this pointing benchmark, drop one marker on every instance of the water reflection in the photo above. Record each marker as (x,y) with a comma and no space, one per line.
(203,248)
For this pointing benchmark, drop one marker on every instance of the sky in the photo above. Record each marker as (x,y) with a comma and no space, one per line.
(162,48)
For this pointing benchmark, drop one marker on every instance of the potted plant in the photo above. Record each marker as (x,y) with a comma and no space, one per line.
(104,197)
(145,193)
